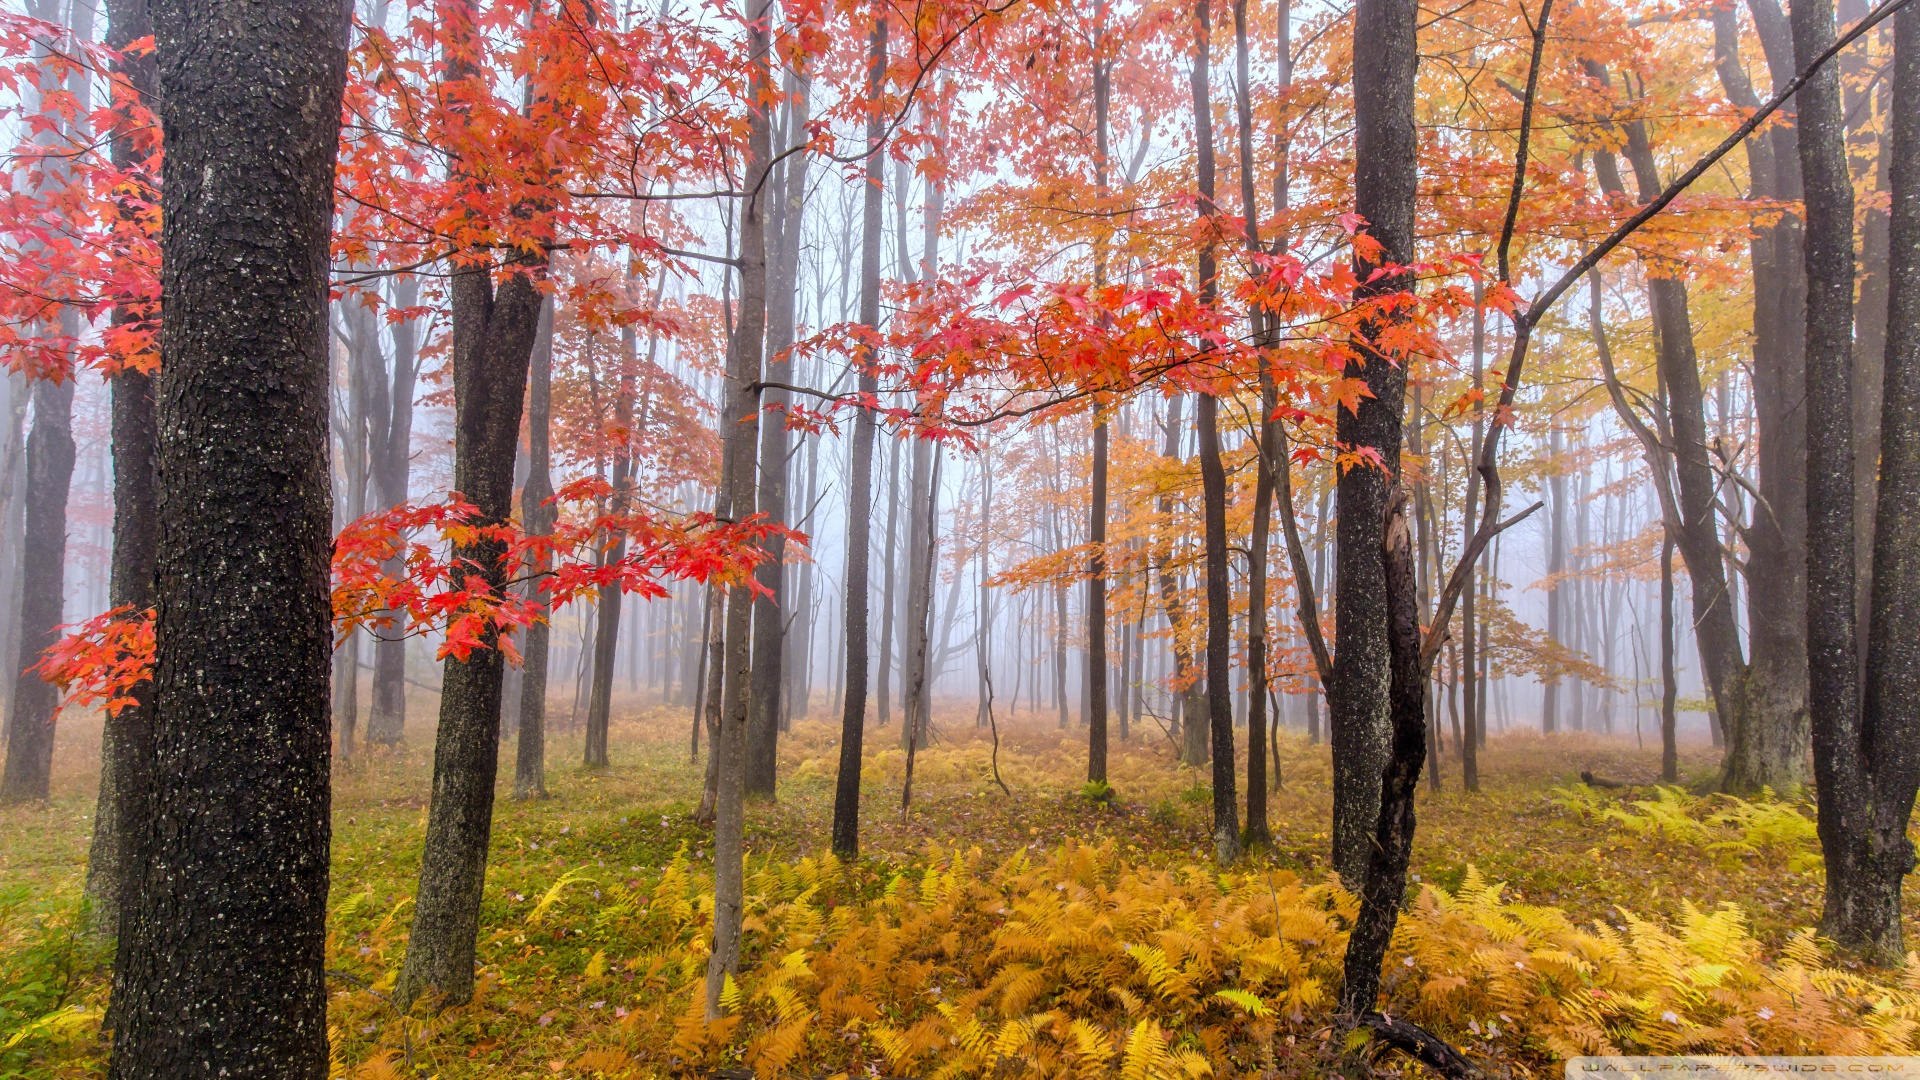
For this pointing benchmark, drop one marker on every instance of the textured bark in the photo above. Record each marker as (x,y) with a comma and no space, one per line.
(1097,511)
(222,974)
(538,519)
(126,744)
(493,337)
(924,566)
(1392,837)
(1867,158)
(1875,773)
(853,717)
(1385,168)
(740,420)
(1842,781)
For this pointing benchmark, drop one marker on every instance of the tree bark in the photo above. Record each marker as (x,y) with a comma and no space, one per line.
(538,519)
(1876,773)
(222,974)
(1843,782)
(1213,484)
(853,717)
(1385,169)
(741,421)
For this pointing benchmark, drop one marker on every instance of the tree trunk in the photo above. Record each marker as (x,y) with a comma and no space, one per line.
(49,476)
(1268,462)
(1669,684)
(1844,782)
(391,457)
(770,612)
(1213,483)
(538,519)
(606,637)
(741,421)
(1776,613)
(1392,838)
(126,745)
(493,340)
(1471,688)
(362,353)
(222,972)
(1875,771)
(853,717)
(50,453)
(922,502)
(1385,168)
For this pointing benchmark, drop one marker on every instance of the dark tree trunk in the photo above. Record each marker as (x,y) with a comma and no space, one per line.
(1097,512)
(538,519)
(1392,837)
(1875,774)
(126,744)
(1843,782)
(493,338)
(853,717)
(1385,168)
(1213,483)
(221,975)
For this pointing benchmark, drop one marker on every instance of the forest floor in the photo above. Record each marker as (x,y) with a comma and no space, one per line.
(590,929)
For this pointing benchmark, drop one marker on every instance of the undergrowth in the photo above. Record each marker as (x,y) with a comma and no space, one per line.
(1052,932)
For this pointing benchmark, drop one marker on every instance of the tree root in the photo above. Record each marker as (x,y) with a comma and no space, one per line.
(1421,1045)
